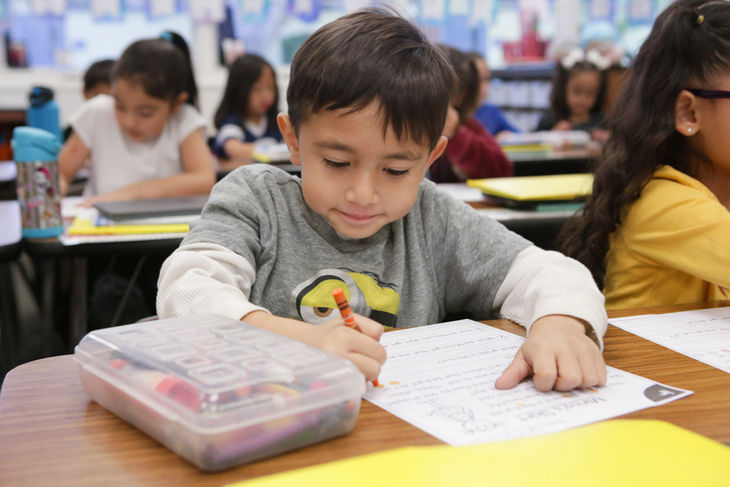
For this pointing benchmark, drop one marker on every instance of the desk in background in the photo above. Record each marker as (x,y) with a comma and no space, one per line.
(8,313)
(51,433)
(541,228)
(538,163)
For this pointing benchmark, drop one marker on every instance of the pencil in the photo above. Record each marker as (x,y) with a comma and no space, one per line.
(346,313)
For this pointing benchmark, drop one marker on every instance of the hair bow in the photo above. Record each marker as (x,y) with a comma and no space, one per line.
(593,56)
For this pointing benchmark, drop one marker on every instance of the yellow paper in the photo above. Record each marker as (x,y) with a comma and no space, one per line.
(83,226)
(537,188)
(610,453)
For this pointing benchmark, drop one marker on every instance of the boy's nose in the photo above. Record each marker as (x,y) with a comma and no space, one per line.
(363,190)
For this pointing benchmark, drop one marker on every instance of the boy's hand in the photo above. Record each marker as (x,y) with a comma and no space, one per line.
(360,347)
(559,355)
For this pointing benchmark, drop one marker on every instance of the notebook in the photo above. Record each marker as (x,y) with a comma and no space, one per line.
(530,191)
(127,210)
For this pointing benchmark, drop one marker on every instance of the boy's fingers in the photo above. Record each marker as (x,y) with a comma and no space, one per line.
(369,327)
(570,373)
(602,372)
(360,343)
(514,373)
(369,367)
(544,372)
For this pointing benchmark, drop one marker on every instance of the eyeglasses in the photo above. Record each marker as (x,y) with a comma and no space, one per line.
(709,93)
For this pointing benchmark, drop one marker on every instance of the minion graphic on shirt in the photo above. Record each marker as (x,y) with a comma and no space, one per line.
(312,300)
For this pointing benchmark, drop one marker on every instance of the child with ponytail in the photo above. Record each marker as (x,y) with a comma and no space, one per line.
(656,228)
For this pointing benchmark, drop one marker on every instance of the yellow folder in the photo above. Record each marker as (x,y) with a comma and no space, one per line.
(555,187)
(84,226)
(610,453)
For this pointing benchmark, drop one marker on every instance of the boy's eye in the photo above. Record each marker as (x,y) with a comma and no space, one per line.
(336,164)
(396,172)
(146,114)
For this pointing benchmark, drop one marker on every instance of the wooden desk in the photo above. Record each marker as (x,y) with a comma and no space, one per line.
(52,433)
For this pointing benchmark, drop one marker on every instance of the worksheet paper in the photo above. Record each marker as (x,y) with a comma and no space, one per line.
(703,334)
(440,378)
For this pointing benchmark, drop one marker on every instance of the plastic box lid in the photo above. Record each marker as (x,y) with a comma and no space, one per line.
(219,391)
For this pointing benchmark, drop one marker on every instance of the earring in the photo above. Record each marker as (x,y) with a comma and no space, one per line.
(689,130)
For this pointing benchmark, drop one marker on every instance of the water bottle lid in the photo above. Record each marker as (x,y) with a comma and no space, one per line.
(40,95)
(33,144)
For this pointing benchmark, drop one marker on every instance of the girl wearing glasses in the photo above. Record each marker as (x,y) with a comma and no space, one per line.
(656,229)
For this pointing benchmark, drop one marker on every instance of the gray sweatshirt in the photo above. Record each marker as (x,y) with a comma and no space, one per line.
(259,245)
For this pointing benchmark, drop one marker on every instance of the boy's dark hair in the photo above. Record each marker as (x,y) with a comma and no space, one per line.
(466,89)
(373,54)
(558,96)
(98,73)
(159,66)
(688,46)
(242,75)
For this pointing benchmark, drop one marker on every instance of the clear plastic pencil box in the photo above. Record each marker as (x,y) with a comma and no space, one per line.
(217,391)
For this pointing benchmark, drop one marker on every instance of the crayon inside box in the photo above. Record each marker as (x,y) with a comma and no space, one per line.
(217,391)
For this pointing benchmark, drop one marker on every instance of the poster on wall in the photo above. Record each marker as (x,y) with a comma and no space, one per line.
(207,11)
(481,12)
(254,10)
(48,7)
(640,12)
(458,7)
(161,8)
(352,5)
(102,10)
(432,11)
(306,10)
(601,10)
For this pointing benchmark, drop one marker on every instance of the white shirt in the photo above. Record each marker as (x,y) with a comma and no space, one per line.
(116,160)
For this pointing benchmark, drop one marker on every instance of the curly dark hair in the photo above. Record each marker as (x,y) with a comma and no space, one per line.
(689,43)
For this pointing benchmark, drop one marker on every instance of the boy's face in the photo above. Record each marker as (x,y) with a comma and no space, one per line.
(352,176)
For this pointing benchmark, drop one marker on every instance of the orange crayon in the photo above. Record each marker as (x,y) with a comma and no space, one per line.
(346,313)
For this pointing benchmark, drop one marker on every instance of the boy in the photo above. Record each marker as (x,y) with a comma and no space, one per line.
(367,98)
(98,79)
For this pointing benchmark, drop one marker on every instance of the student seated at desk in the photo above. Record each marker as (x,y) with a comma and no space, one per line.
(247,112)
(472,153)
(655,229)
(147,140)
(578,93)
(367,99)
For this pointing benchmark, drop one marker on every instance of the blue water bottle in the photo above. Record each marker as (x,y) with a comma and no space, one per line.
(42,112)
(35,152)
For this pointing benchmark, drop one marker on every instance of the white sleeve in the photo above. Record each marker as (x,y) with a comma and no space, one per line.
(190,120)
(205,277)
(542,282)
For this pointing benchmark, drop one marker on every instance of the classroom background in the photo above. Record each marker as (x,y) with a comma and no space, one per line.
(52,42)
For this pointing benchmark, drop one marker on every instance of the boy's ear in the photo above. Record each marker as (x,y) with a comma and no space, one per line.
(290,138)
(179,101)
(686,114)
(437,151)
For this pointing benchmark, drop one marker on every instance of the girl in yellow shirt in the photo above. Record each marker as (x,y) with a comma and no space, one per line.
(656,229)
